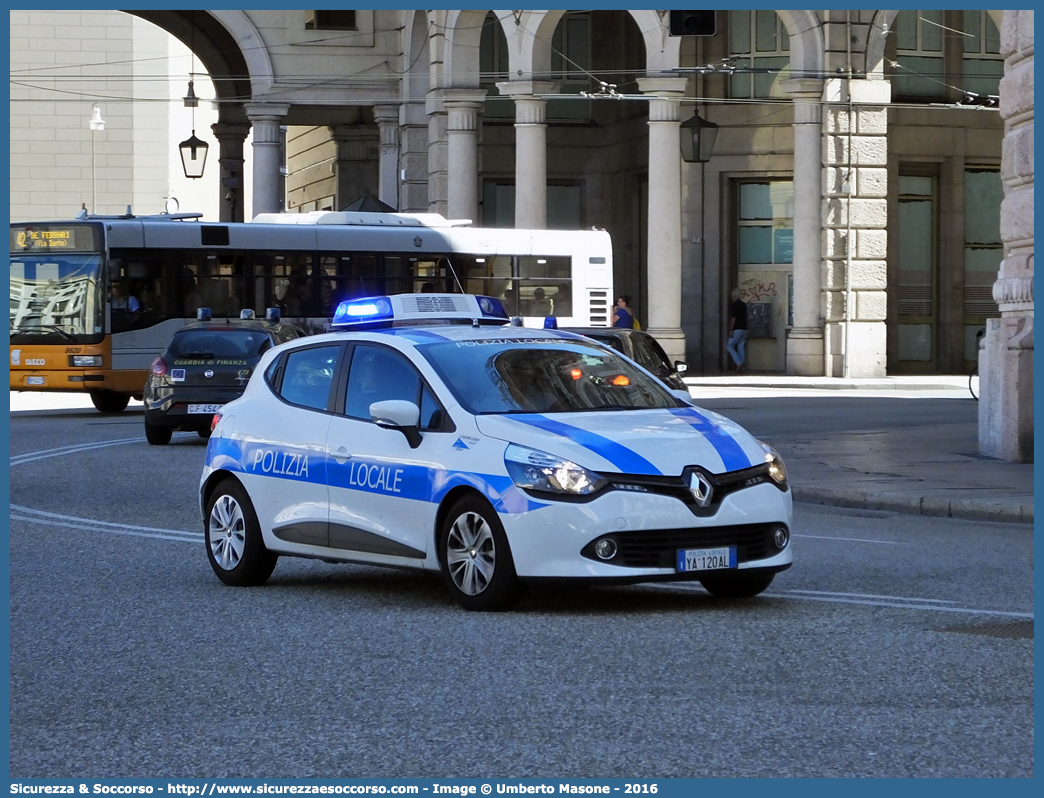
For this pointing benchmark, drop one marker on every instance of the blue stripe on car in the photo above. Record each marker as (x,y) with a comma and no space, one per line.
(627,460)
(391,479)
(732,455)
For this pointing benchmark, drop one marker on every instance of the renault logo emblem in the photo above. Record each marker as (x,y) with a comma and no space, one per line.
(700,488)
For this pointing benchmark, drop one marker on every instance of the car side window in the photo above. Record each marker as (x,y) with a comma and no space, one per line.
(308,376)
(649,354)
(377,374)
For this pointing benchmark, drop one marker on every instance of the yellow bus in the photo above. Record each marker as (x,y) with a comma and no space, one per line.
(95,300)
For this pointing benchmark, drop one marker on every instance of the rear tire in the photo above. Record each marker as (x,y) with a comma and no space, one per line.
(476,559)
(204,433)
(110,401)
(157,435)
(737,585)
(235,547)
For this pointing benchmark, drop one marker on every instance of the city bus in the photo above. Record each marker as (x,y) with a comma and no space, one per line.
(95,300)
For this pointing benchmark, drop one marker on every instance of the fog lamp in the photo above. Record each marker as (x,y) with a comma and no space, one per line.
(605,548)
(781,537)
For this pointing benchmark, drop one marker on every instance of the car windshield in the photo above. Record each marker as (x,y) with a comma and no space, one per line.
(542,375)
(218,344)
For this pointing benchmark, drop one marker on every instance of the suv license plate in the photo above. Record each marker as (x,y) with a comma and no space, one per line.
(203,409)
(706,559)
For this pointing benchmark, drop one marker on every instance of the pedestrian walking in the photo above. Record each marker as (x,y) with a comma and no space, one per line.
(738,331)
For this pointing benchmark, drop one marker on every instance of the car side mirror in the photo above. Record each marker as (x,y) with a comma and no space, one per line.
(681,366)
(401,415)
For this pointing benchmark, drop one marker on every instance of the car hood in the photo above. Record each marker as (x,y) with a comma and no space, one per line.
(648,442)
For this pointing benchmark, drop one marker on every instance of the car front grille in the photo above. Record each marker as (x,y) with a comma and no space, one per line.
(658,548)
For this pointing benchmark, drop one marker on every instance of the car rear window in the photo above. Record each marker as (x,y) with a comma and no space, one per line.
(242,344)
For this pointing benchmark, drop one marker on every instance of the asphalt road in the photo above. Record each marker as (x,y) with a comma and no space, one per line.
(882,652)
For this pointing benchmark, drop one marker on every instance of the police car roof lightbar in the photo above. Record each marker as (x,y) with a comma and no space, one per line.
(414,309)
(203,314)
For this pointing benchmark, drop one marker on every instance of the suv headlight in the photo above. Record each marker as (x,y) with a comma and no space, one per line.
(535,470)
(776,469)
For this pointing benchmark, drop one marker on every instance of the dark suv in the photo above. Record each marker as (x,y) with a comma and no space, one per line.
(206,364)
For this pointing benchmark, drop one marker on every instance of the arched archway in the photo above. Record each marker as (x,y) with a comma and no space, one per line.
(220,53)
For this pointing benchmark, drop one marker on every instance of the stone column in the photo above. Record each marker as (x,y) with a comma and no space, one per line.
(664,246)
(354,168)
(1006,352)
(462,128)
(855,185)
(530,151)
(438,152)
(266,120)
(230,138)
(805,337)
(387,118)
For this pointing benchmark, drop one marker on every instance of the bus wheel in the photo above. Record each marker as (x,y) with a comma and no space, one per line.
(110,401)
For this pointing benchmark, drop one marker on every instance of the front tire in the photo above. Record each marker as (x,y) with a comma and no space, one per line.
(157,435)
(235,547)
(476,559)
(109,401)
(737,585)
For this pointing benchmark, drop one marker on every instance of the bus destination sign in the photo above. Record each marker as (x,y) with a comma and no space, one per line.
(66,237)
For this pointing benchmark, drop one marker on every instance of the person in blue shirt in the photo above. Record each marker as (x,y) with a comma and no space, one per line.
(122,299)
(623,316)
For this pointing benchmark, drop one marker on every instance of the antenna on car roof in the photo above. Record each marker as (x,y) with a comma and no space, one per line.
(455,278)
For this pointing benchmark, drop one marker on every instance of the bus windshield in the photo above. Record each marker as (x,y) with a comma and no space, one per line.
(57,296)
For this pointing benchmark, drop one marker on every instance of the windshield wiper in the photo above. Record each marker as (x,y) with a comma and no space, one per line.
(45,328)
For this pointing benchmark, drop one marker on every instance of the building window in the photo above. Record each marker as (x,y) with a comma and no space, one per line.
(983,251)
(758,41)
(983,63)
(571,66)
(493,68)
(919,54)
(938,55)
(764,254)
(330,20)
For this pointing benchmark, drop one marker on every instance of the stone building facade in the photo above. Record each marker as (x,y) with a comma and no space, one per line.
(854,192)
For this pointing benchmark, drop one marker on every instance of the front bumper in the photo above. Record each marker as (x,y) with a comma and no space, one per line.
(556,541)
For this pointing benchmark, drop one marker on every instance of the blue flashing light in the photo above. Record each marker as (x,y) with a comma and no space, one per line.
(491,306)
(203,314)
(550,323)
(363,311)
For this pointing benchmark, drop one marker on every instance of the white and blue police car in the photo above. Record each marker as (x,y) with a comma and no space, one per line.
(426,431)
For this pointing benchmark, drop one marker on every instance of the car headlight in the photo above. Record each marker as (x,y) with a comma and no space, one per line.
(776,468)
(541,471)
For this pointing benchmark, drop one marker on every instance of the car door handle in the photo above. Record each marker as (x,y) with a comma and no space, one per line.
(341,455)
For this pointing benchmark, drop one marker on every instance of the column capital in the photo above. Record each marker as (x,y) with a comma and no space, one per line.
(266,112)
(231,131)
(668,87)
(463,115)
(386,114)
(512,88)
